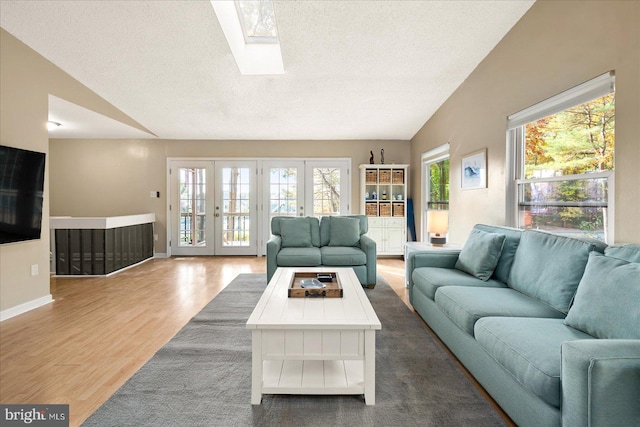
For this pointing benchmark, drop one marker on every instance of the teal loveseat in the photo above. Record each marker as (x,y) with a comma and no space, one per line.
(548,325)
(331,241)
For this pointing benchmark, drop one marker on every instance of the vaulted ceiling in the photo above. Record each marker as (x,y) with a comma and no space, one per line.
(353,69)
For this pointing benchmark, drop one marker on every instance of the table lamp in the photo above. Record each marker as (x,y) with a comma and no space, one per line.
(437,227)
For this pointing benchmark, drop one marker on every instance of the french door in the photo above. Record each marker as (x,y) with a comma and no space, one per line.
(235,214)
(218,207)
(213,207)
(303,188)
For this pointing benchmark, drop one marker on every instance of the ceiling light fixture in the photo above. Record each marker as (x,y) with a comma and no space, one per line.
(52,125)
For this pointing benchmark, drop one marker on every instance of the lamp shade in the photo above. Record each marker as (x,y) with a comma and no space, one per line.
(438,222)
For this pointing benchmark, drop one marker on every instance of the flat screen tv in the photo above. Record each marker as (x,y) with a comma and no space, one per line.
(21,194)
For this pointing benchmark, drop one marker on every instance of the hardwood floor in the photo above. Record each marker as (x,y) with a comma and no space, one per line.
(99,331)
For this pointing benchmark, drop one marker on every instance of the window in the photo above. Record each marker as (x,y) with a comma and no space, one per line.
(561,155)
(258,21)
(435,183)
(438,185)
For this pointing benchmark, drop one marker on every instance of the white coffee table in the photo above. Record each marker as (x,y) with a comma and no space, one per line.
(313,345)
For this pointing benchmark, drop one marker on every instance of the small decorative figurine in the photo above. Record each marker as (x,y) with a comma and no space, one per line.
(371,158)
(382,156)
(374,196)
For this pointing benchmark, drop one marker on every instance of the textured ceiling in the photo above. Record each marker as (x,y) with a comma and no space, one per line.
(353,69)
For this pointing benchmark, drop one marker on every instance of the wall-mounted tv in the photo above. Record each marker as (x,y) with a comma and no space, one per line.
(21,194)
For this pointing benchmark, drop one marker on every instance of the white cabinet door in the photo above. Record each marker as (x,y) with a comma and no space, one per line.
(394,240)
(389,235)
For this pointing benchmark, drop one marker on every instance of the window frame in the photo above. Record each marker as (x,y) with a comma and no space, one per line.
(515,152)
(435,155)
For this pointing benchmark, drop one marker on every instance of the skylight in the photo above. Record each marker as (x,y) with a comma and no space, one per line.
(258,21)
(250,30)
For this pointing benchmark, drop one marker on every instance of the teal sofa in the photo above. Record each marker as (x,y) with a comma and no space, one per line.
(331,241)
(548,325)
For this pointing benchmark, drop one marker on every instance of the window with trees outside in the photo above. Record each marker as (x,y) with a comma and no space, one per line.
(562,159)
(435,183)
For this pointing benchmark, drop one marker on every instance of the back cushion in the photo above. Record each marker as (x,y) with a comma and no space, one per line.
(549,267)
(295,233)
(606,303)
(314,226)
(480,254)
(511,241)
(325,227)
(629,252)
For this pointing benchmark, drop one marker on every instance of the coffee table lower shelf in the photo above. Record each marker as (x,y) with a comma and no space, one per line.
(313,377)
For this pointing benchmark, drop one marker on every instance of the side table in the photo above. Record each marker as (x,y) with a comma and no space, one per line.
(410,247)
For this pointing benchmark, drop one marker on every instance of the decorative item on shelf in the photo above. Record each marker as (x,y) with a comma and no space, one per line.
(384,194)
(399,197)
(374,196)
(371,161)
(366,195)
(438,224)
(382,156)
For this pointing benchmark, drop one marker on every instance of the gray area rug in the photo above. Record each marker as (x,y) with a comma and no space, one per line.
(202,377)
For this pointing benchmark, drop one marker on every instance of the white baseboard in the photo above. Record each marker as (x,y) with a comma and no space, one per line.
(23,308)
(160,255)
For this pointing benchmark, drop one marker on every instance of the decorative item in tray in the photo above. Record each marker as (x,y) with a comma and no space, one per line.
(325,284)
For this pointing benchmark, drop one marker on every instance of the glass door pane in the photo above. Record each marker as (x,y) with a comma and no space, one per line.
(192,229)
(327,187)
(192,206)
(283,191)
(235,210)
(326,191)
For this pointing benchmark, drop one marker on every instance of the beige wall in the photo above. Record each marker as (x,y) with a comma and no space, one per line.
(555,46)
(26,80)
(114,177)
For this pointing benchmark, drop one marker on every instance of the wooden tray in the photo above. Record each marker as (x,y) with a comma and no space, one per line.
(333,289)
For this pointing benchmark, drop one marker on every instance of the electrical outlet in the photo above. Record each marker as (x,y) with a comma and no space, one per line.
(34,270)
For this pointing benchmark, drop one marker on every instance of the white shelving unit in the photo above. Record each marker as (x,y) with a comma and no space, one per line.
(383,198)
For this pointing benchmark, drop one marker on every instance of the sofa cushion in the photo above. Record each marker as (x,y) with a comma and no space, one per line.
(428,279)
(606,303)
(480,254)
(314,225)
(343,255)
(295,233)
(629,252)
(465,305)
(529,349)
(325,226)
(345,231)
(299,257)
(549,267)
(511,241)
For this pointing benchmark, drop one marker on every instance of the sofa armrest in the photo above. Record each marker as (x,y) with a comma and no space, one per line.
(368,245)
(273,247)
(601,382)
(441,259)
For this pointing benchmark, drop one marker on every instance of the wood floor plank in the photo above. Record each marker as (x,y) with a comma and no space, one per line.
(98,332)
